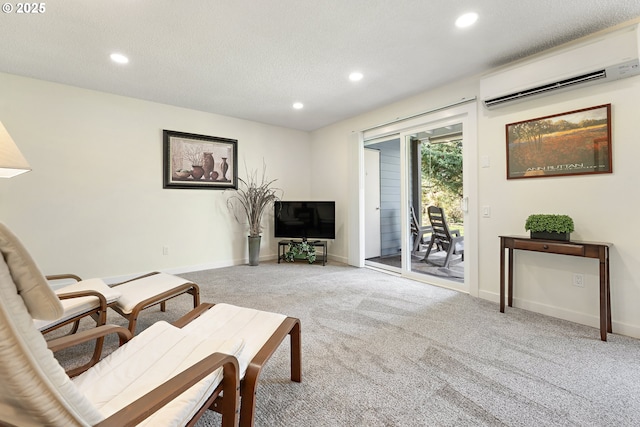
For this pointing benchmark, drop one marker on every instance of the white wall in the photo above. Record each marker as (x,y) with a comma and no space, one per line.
(94,202)
(602,206)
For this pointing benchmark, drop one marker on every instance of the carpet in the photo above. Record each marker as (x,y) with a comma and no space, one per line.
(381,350)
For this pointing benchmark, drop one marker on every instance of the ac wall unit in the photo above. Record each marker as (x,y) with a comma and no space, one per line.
(608,57)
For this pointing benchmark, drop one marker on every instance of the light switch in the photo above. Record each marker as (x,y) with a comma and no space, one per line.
(486,211)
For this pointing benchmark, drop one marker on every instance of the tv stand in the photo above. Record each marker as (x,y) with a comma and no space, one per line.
(282,248)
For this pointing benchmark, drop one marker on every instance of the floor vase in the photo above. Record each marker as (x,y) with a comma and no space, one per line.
(254,249)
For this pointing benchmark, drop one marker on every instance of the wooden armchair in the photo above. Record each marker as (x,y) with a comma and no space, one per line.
(92,298)
(217,350)
(137,384)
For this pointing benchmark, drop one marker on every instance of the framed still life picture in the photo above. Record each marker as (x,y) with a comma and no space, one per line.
(199,161)
(572,143)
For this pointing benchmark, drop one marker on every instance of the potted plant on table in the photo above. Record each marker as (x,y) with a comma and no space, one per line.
(548,226)
(253,197)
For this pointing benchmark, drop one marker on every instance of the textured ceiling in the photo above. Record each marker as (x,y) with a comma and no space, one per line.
(252,59)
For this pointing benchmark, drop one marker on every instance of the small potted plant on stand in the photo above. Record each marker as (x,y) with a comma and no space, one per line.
(301,250)
(254,197)
(546,226)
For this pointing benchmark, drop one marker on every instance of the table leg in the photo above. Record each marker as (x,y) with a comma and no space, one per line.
(501,275)
(604,297)
(610,328)
(510,287)
(324,256)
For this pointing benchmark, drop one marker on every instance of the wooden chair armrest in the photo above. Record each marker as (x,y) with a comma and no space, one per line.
(63,276)
(135,278)
(57,344)
(145,406)
(192,315)
(79,294)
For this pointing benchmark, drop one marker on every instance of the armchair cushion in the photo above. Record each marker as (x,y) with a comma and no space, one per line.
(74,306)
(143,364)
(225,321)
(98,285)
(138,290)
(34,289)
(30,376)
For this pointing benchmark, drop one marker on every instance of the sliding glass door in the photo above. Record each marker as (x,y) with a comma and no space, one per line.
(424,164)
(435,181)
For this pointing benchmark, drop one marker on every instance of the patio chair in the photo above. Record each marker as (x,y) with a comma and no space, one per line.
(447,240)
(163,376)
(418,232)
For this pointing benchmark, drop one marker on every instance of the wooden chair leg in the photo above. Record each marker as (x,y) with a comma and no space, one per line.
(296,353)
(290,326)
(196,296)
(133,320)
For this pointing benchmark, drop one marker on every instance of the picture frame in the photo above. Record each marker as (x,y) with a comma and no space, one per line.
(193,161)
(573,143)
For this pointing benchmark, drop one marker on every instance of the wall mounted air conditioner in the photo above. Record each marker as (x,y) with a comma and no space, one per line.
(608,57)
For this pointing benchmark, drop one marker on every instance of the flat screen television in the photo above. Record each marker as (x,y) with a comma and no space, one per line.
(305,220)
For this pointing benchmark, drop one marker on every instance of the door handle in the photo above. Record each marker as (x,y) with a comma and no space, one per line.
(464,204)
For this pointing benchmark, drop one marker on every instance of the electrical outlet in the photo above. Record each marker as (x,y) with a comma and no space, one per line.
(165,250)
(578,280)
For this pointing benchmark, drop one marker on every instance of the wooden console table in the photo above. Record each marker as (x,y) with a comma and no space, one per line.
(599,251)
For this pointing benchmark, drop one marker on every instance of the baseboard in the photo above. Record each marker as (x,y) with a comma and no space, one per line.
(187,269)
(199,267)
(620,328)
(340,259)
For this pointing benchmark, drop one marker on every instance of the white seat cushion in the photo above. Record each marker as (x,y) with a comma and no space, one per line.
(148,360)
(139,290)
(98,285)
(75,306)
(224,321)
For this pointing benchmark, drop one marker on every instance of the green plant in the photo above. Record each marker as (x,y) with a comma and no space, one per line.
(537,223)
(300,250)
(254,197)
(442,177)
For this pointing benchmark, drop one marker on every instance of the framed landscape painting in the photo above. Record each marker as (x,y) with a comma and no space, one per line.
(572,143)
(199,161)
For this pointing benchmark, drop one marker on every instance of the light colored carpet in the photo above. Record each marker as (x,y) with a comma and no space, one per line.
(380,350)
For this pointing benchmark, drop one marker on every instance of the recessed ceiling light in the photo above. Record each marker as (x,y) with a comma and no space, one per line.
(298,105)
(355,76)
(466,20)
(119,58)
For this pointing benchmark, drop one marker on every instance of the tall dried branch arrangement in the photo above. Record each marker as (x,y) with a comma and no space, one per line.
(254,196)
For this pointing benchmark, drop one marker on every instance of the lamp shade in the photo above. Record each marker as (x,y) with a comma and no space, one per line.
(12,162)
